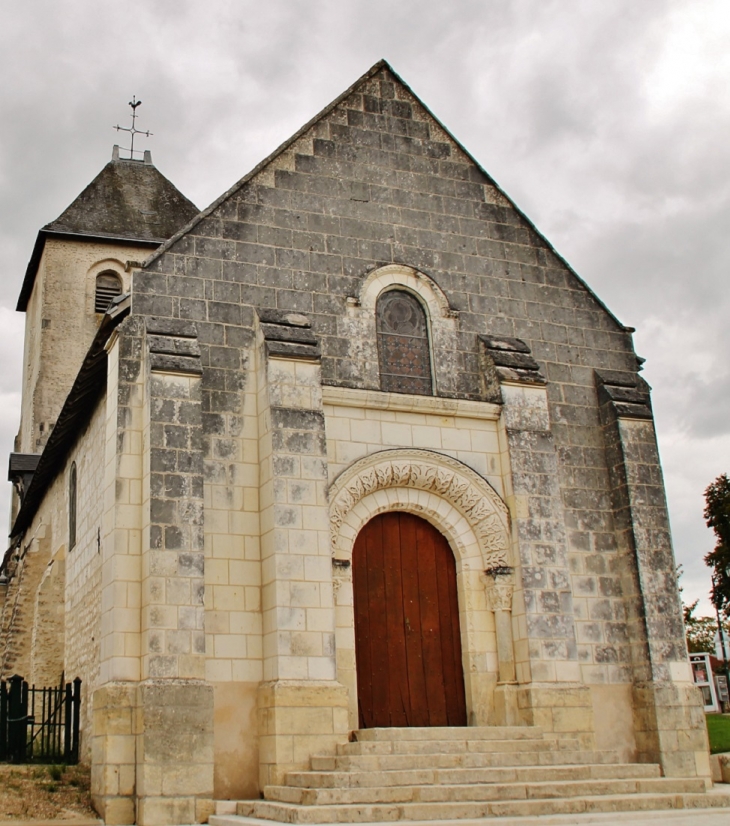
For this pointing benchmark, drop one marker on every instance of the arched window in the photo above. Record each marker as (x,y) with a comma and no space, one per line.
(72,496)
(403,348)
(108,286)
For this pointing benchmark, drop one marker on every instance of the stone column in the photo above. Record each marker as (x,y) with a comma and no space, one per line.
(499,588)
(302,708)
(668,712)
(550,693)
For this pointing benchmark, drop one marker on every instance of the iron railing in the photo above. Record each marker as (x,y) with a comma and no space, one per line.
(39,724)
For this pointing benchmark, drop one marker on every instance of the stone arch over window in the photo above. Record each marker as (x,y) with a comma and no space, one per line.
(72,505)
(360,327)
(471,516)
(404,349)
(108,287)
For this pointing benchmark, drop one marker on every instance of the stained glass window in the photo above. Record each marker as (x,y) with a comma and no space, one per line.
(403,351)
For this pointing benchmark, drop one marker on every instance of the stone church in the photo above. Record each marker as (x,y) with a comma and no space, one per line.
(342,497)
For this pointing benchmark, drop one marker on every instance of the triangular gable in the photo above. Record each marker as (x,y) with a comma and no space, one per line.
(380,66)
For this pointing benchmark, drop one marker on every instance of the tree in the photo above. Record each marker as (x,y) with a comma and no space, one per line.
(700,631)
(717,516)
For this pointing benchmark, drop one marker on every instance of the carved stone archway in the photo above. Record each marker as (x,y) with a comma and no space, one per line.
(454,482)
(475,521)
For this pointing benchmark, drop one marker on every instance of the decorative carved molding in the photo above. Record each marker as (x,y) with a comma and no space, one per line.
(468,492)
(401,275)
(499,592)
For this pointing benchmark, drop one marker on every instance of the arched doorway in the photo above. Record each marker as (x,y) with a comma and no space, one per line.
(407,637)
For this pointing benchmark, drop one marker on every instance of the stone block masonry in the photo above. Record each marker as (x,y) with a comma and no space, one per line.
(377,181)
(667,706)
(152,751)
(301,706)
(173,585)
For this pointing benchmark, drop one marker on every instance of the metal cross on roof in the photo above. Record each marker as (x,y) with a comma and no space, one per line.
(134,103)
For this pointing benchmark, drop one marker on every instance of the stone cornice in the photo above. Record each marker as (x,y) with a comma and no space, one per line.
(401,402)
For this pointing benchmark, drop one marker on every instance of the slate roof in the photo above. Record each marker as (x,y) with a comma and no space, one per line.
(128,202)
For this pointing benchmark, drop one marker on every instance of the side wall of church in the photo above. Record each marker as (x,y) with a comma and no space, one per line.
(55,624)
(83,569)
(19,610)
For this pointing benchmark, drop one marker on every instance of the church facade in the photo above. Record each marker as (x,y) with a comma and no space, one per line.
(352,448)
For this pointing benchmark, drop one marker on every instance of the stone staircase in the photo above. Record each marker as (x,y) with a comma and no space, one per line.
(414,774)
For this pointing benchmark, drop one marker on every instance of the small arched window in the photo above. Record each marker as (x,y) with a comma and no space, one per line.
(108,286)
(72,497)
(403,348)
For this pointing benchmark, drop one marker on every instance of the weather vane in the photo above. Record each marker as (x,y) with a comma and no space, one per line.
(134,103)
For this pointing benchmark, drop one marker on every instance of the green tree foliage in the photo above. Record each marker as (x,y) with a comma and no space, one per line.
(700,631)
(717,516)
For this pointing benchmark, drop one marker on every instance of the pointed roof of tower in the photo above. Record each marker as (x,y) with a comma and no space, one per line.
(128,201)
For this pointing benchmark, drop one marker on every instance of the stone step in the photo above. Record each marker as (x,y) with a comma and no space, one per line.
(470,760)
(482,792)
(364,813)
(422,777)
(452,746)
(450,733)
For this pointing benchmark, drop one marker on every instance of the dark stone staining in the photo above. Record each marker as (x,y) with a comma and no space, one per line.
(296,419)
(508,359)
(288,334)
(173,346)
(627,393)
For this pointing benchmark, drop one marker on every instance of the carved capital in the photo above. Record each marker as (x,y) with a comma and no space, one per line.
(499,592)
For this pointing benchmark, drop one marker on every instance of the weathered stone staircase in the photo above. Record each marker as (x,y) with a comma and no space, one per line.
(462,773)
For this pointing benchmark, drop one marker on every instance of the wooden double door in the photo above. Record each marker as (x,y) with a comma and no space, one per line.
(407,638)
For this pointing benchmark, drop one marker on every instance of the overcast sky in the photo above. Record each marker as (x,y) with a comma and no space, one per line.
(607,121)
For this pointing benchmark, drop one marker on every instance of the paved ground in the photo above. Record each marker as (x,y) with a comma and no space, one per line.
(686,817)
(694,817)
(55,822)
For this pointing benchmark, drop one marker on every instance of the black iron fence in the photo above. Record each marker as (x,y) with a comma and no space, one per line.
(39,724)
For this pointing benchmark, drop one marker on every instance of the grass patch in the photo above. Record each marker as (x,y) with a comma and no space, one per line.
(718,729)
(55,772)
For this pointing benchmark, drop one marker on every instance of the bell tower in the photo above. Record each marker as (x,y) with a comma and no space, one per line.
(78,266)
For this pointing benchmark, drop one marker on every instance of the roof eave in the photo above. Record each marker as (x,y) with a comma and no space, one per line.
(381,64)
(265,162)
(40,242)
(77,409)
(517,209)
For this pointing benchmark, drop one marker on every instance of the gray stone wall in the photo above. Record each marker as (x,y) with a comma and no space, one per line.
(376,180)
